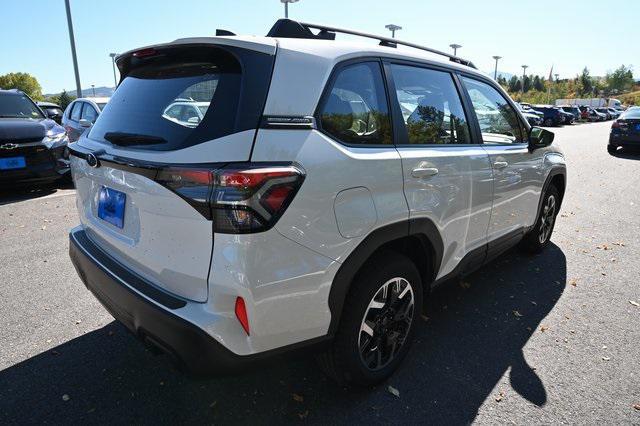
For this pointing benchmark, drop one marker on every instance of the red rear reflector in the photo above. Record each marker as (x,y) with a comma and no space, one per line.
(145,52)
(241,314)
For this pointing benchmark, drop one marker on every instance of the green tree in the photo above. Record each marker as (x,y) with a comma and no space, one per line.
(586,82)
(538,84)
(64,99)
(526,83)
(620,80)
(22,81)
(514,84)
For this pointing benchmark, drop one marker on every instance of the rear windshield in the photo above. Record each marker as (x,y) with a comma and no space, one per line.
(181,97)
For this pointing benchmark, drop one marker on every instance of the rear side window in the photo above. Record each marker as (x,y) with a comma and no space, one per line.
(499,122)
(355,109)
(75,111)
(180,97)
(430,106)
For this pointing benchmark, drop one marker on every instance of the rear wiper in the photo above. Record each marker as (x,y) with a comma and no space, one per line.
(127,139)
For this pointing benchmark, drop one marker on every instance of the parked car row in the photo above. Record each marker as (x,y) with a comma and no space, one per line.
(550,115)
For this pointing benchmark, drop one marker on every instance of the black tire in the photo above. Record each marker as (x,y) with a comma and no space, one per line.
(548,122)
(343,362)
(611,149)
(539,236)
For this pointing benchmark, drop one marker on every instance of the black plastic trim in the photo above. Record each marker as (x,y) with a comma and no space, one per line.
(193,349)
(552,173)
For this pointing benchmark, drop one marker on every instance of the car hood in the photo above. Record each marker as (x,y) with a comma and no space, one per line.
(25,129)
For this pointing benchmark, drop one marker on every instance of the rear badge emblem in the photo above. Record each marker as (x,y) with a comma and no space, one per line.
(92,161)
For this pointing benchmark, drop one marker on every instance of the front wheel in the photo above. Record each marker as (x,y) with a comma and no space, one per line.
(378,322)
(548,122)
(540,235)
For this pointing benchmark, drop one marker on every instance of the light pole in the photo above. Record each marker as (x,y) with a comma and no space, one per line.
(393,28)
(113,64)
(73,49)
(495,72)
(93,88)
(556,75)
(286,6)
(524,74)
(455,48)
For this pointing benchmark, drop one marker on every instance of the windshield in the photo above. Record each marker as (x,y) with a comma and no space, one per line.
(632,114)
(18,106)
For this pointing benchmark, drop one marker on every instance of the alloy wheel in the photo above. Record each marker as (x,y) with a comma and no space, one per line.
(547,219)
(386,323)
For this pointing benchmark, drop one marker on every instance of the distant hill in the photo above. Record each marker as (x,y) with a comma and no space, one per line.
(102,91)
(500,73)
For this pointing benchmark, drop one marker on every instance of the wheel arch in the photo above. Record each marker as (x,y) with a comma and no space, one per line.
(418,239)
(558,177)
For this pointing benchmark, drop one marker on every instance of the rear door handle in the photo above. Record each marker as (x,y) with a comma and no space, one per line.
(500,164)
(423,172)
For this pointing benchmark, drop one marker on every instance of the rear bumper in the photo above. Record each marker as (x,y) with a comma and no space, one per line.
(624,140)
(153,318)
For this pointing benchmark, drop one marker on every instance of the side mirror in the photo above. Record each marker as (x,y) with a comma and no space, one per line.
(85,123)
(539,138)
(51,113)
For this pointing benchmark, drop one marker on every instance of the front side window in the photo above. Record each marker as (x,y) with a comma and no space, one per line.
(355,111)
(430,105)
(498,121)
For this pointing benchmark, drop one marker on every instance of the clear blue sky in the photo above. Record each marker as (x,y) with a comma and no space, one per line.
(569,34)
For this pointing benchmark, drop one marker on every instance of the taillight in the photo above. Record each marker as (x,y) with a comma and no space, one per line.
(241,314)
(252,198)
(238,198)
(619,124)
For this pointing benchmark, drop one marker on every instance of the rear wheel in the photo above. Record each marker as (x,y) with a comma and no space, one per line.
(378,322)
(538,237)
(548,122)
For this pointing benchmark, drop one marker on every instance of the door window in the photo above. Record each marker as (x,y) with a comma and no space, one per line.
(355,111)
(498,121)
(430,105)
(89,113)
(75,111)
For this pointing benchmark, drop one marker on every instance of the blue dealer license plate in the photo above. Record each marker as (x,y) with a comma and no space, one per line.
(12,163)
(111,206)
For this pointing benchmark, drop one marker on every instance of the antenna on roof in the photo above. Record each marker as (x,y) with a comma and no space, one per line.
(287,28)
(221,32)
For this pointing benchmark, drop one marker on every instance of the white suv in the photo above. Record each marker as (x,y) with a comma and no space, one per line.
(327,189)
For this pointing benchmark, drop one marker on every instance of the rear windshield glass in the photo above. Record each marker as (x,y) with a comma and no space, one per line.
(173,100)
(632,114)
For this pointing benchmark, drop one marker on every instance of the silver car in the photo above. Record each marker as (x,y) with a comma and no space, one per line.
(326,190)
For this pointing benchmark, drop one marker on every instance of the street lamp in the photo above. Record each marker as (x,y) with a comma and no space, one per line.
(93,88)
(455,48)
(524,74)
(113,64)
(556,75)
(393,28)
(286,6)
(73,49)
(495,72)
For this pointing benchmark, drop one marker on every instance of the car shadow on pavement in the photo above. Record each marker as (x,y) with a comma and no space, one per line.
(27,192)
(474,335)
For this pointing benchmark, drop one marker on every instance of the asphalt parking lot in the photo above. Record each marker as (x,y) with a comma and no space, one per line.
(538,340)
